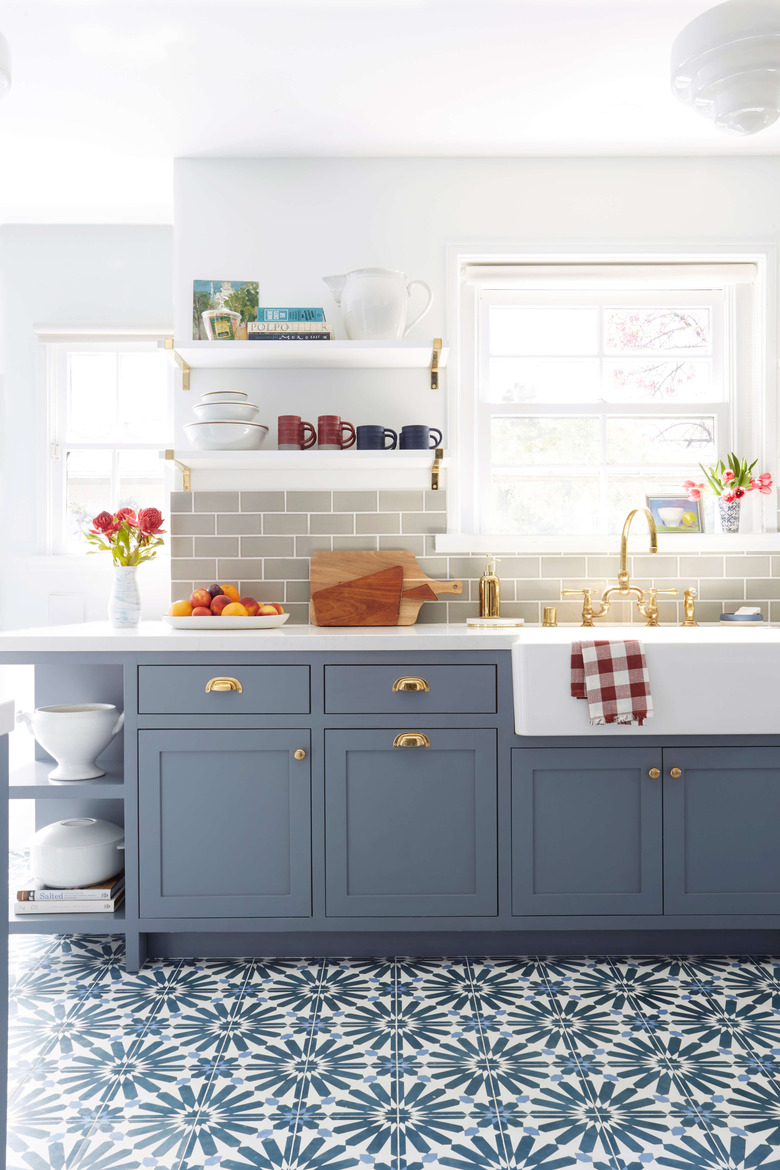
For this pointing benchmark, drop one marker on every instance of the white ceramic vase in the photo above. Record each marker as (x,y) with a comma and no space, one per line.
(375,303)
(124,604)
(75,735)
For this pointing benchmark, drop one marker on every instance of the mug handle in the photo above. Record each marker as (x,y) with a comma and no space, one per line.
(312,437)
(426,307)
(394,437)
(352,436)
(437,442)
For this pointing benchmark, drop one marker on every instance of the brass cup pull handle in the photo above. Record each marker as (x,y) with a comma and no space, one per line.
(223,684)
(411,739)
(654,773)
(675,773)
(410,683)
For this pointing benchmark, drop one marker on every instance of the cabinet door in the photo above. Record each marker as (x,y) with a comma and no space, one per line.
(225,824)
(721,826)
(586,831)
(411,830)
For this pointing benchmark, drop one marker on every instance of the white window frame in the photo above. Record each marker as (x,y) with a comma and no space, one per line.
(753,412)
(57,352)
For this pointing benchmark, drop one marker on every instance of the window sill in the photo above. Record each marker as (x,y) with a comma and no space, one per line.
(702,542)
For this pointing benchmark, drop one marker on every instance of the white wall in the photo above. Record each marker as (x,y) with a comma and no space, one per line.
(288,222)
(79,277)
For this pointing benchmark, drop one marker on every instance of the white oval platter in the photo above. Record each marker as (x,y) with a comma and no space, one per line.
(270,622)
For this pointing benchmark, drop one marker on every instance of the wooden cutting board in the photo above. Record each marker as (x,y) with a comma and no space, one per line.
(356,586)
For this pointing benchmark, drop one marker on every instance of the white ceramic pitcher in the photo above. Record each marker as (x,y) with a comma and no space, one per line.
(375,303)
(75,735)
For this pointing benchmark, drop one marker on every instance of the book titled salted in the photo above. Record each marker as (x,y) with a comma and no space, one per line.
(71,906)
(104,891)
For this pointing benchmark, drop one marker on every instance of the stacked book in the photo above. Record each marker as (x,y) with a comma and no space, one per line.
(289,324)
(102,898)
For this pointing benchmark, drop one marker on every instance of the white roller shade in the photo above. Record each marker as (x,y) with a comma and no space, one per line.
(617,275)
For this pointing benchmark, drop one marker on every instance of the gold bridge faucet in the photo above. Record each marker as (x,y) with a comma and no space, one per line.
(646,603)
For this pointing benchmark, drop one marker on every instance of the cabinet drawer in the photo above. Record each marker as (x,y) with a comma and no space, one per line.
(181,690)
(460,688)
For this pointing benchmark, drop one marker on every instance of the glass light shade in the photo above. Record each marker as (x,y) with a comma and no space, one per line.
(726,65)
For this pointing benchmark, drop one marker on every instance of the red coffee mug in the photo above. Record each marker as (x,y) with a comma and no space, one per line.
(330,433)
(293,434)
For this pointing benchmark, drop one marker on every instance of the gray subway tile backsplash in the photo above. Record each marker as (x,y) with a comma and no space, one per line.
(263,541)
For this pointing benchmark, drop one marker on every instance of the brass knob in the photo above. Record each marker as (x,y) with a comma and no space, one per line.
(411,739)
(675,773)
(654,773)
(299,754)
(224,684)
(410,683)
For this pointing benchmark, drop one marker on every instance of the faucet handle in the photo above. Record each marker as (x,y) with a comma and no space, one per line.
(587,604)
(650,610)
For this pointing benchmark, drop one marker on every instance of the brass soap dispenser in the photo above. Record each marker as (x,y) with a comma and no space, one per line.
(490,591)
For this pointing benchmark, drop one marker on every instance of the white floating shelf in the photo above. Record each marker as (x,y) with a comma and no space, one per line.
(244,355)
(350,460)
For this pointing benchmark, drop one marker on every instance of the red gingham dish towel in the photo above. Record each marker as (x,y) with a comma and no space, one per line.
(613,677)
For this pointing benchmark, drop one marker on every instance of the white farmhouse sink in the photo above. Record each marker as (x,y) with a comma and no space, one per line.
(712,680)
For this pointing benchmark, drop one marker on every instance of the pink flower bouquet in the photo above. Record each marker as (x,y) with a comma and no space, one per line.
(729,481)
(131,539)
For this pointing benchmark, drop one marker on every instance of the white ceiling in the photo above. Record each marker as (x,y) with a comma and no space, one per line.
(107,92)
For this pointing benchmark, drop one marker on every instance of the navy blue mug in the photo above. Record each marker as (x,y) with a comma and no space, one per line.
(417,438)
(375,439)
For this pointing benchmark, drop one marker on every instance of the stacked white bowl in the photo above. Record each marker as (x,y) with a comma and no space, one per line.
(225,423)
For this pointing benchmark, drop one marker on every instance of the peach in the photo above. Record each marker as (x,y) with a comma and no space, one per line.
(201,598)
(180,609)
(267,610)
(201,611)
(279,608)
(235,609)
(250,605)
(220,603)
(231,592)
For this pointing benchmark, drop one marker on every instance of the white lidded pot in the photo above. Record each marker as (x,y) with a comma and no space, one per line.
(77,852)
(75,734)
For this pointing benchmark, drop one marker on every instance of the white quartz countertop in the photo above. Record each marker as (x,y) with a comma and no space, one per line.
(152,637)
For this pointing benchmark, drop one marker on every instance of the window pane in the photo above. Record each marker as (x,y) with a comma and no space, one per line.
(140,480)
(659,380)
(661,441)
(548,505)
(91,397)
(627,492)
(544,331)
(540,380)
(88,488)
(534,442)
(627,330)
(143,398)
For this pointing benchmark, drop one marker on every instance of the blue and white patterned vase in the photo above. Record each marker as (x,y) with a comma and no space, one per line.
(124,604)
(729,515)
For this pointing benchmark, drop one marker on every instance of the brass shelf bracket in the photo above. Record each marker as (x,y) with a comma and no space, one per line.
(186,473)
(438,455)
(180,362)
(435,363)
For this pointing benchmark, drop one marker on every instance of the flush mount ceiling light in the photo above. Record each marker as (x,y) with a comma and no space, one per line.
(5,66)
(726,64)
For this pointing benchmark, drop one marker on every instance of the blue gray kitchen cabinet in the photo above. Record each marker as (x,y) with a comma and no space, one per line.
(226,823)
(586,831)
(721,828)
(411,831)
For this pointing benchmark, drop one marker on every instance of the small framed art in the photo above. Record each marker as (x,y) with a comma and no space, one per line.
(674,512)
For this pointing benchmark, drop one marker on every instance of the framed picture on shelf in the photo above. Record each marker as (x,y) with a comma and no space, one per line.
(222,308)
(674,512)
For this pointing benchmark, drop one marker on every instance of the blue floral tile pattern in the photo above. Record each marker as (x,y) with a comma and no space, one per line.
(391,1064)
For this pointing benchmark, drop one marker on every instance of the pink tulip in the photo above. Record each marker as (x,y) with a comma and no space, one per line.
(694,493)
(739,493)
(765,479)
(728,497)
(728,476)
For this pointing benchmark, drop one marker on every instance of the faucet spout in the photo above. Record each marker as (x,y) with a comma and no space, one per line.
(623,577)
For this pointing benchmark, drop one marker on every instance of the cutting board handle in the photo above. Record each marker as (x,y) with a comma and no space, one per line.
(447,586)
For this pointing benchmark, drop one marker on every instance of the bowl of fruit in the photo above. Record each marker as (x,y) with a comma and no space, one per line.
(220,607)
